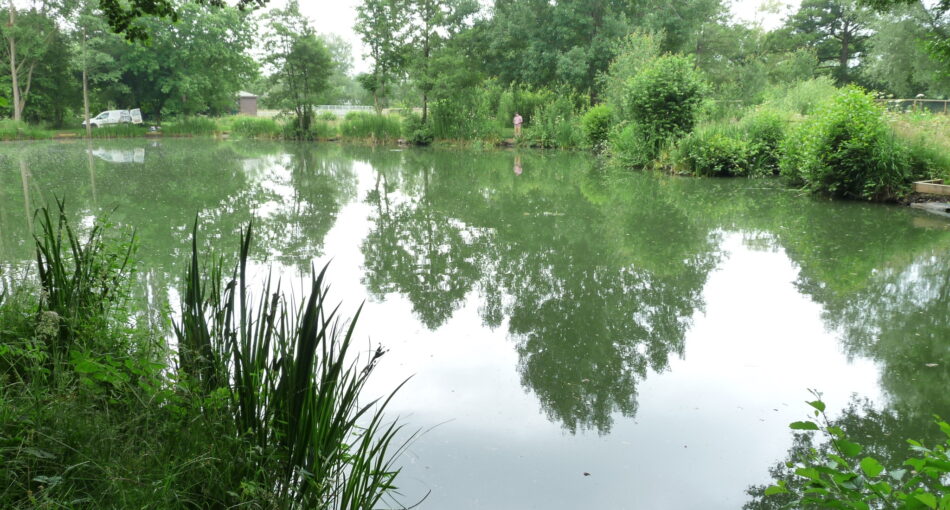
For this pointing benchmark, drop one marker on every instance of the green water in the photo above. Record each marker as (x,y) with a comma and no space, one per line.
(576,339)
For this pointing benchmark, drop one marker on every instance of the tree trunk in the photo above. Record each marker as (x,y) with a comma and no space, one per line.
(85,87)
(845,54)
(17,112)
(425,106)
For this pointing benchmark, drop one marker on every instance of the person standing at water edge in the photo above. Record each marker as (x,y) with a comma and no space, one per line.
(517,121)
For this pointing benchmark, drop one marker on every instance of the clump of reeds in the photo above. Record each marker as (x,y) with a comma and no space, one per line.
(371,126)
(190,126)
(293,383)
(264,410)
(79,279)
(255,127)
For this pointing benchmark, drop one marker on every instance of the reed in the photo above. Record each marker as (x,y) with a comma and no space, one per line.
(80,280)
(191,126)
(371,126)
(294,385)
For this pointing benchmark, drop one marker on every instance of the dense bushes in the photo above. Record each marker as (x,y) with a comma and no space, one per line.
(714,151)
(665,96)
(848,150)
(662,102)
(466,115)
(415,131)
(595,125)
(261,409)
(555,124)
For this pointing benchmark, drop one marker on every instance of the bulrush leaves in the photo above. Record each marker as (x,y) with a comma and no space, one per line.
(294,385)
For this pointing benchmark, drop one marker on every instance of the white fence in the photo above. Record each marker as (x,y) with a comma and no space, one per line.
(339,110)
(917,105)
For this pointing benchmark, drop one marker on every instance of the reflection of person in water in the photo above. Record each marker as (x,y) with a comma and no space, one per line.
(518,168)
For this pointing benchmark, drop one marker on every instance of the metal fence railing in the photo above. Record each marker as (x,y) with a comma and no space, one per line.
(918,105)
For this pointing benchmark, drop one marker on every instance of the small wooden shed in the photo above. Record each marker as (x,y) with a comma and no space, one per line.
(247,104)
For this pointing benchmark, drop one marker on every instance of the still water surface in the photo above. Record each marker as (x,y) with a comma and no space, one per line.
(575,339)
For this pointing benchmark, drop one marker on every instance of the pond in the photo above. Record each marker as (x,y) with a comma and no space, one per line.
(575,338)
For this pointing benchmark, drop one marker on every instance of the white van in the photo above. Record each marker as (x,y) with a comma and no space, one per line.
(113,117)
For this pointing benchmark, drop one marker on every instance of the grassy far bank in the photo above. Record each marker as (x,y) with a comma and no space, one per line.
(259,405)
(836,141)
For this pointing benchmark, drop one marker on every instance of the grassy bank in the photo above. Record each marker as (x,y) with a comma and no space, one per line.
(258,406)
(836,141)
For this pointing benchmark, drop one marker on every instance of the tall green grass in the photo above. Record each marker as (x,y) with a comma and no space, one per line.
(263,410)
(371,126)
(255,127)
(190,126)
(295,386)
(13,130)
(79,279)
(116,131)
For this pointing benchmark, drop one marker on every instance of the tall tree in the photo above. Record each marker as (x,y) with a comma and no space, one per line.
(899,62)
(837,29)
(383,26)
(27,35)
(301,62)
(433,22)
(195,65)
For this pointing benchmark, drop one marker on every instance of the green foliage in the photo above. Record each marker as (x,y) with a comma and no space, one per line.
(190,126)
(80,281)
(414,130)
(520,99)
(847,149)
(844,476)
(634,52)
(555,125)
(302,63)
(319,130)
(716,151)
(764,129)
(631,146)
(595,124)
(117,131)
(466,115)
(255,127)
(665,96)
(371,126)
(328,116)
(803,97)
(13,130)
(264,410)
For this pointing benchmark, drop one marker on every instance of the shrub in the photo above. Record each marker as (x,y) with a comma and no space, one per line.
(715,151)
(415,131)
(466,115)
(633,52)
(596,123)
(518,98)
(665,96)
(842,473)
(847,149)
(370,126)
(329,116)
(255,127)
(554,125)
(803,97)
(630,147)
(764,130)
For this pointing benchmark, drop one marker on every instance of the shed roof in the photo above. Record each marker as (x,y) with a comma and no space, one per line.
(246,94)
